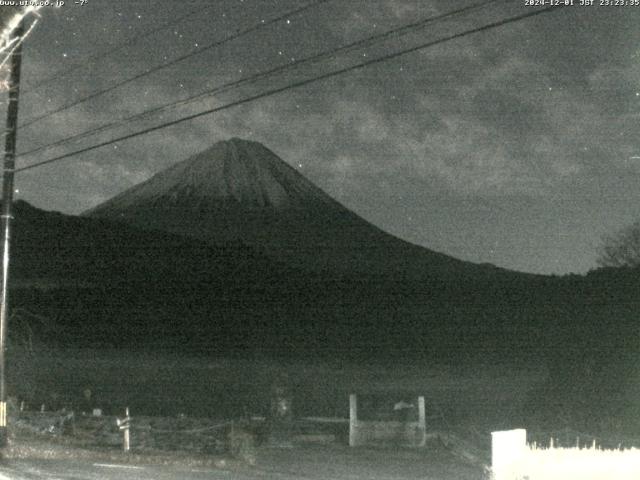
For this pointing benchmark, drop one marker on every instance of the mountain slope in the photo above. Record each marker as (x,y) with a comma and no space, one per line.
(94,283)
(101,283)
(240,190)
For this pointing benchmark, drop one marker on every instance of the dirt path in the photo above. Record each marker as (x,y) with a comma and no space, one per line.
(340,463)
(304,463)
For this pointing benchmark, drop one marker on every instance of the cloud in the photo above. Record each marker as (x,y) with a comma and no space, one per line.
(539,109)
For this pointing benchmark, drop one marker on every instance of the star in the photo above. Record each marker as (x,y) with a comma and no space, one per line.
(445,127)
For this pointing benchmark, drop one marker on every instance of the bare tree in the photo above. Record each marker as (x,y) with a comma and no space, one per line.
(622,249)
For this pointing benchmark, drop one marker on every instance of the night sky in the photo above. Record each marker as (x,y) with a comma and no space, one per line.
(516,146)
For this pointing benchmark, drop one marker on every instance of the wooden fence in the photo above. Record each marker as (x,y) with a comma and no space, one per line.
(409,432)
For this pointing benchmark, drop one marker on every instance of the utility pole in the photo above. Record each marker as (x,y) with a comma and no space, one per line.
(7,200)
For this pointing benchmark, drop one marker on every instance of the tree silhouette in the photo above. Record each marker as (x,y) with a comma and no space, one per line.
(622,249)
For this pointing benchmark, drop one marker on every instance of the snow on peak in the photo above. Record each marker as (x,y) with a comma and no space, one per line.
(236,171)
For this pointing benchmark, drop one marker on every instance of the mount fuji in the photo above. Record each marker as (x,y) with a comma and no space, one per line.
(240,191)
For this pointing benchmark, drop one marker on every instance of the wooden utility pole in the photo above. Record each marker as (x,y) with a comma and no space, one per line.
(7,200)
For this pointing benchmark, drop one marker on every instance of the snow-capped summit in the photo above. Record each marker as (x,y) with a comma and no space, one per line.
(239,190)
(235,173)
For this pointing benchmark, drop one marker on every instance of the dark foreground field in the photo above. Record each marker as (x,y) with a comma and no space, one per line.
(169,385)
(191,395)
(182,409)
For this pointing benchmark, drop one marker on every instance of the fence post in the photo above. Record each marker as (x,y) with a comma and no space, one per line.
(508,450)
(127,438)
(353,420)
(124,424)
(422,421)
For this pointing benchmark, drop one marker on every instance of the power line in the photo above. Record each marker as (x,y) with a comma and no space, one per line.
(112,50)
(230,85)
(149,71)
(297,84)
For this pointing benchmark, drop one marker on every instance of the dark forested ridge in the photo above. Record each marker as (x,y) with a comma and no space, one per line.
(103,283)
